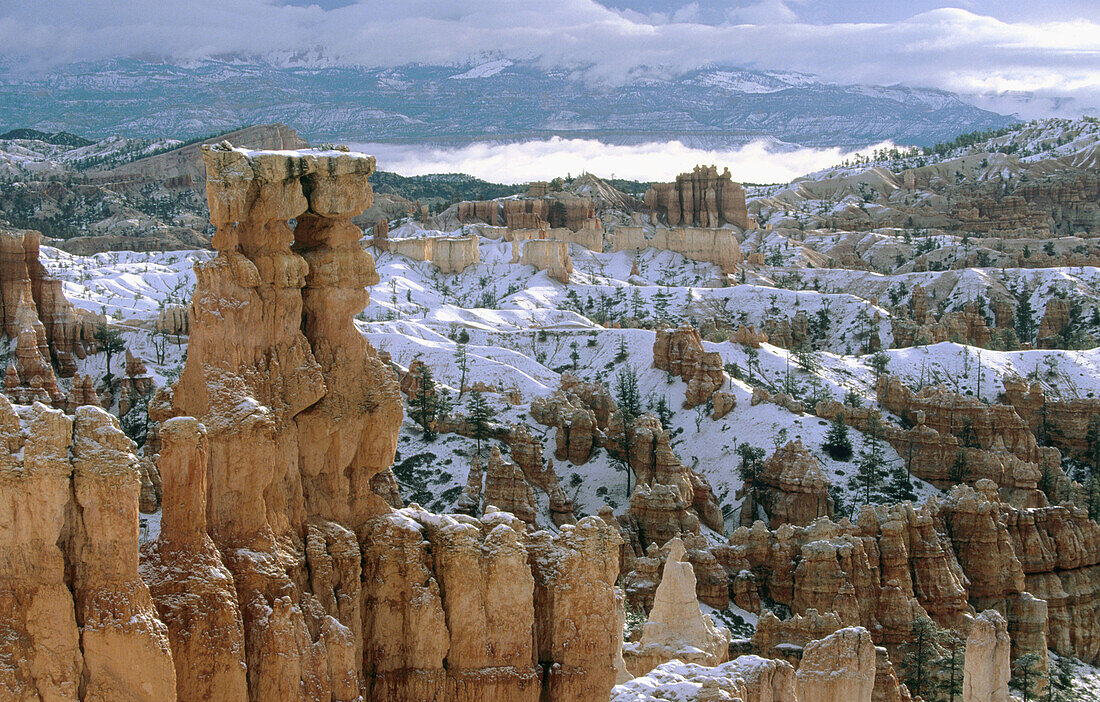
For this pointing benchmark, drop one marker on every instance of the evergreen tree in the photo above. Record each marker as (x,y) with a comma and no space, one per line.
(462,363)
(837,443)
(879,362)
(664,412)
(805,358)
(752,462)
(1025,318)
(480,415)
(921,655)
(960,471)
(621,355)
(629,408)
(950,685)
(444,403)
(1061,686)
(626,394)
(1027,675)
(637,305)
(968,438)
(871,471)
(574,354)
(900,487)
(422,405)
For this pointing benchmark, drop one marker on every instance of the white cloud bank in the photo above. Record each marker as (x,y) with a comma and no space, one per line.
(522,162)
(948,48)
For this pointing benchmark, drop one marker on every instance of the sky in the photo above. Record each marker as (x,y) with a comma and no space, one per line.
(995,49)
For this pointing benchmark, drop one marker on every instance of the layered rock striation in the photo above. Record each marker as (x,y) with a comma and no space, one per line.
(702,198)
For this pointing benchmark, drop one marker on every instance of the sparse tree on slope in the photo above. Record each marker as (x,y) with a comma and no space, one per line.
(110,340)
(480,415)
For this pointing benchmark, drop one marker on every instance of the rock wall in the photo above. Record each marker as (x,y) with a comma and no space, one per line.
(986,666)
(1064,421)
(547,255)
(702,198)
(680,352)
(32,304)
(76,620)
(839,667)
(791,488)
(450,254)
(676,628)
(717,246)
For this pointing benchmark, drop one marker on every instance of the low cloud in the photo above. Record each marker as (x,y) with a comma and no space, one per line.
(522,162)
(947,48)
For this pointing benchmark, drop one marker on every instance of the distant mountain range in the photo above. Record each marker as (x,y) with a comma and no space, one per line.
(497,100)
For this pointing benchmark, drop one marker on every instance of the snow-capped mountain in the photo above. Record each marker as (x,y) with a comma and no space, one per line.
(494,98)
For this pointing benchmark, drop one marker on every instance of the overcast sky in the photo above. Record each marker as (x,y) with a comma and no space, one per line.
(979,47)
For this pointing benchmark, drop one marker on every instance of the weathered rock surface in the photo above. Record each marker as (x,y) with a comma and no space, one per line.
(839,667)
(548,255)
(702,198)
(987,668)
(680,352)
(676,628)
(717,246)
(791,488)
(77,622)
(450,254)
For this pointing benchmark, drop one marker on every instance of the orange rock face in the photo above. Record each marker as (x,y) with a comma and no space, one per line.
(680,352)
(31,299)
(702,198)
(76,620)
(792,489)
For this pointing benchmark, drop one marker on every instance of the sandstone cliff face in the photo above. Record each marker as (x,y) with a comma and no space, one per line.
(792,489)
(676,628)
(450,254)
(838,667)
(35,313)
(702,198)
(680,352)
(77,622)
(986,667)
(550,256)
(717,246)
(1065,421)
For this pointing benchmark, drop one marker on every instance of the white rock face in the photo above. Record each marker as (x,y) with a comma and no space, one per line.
(986,669)
(677,628)
(839,667)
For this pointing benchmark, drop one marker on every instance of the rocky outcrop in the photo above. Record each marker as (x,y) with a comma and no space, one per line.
(702,198)
(1065,421)
(986,667)
(450,254)
(717,246)
(507,488)
(77,621)
(339,595)
(550,256)
(839,667)
(173,319)
(190,584)
(791,488)
(676,628)
(33,305)
(680,352)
